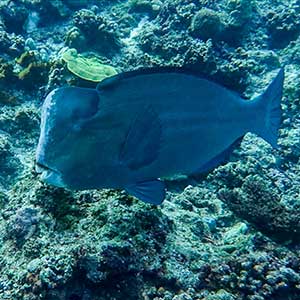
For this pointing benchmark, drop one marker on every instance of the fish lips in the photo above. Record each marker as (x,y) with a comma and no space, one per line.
(49,175)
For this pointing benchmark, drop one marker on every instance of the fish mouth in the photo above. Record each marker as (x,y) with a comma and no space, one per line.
(49,175)
(40,168)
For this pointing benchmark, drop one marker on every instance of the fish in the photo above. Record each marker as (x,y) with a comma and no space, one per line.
(137,128)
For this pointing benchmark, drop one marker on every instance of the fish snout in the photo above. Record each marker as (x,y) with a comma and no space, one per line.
(38,168)
(41,167)
(49,175)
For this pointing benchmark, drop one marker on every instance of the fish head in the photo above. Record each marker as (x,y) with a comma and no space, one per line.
(64,145)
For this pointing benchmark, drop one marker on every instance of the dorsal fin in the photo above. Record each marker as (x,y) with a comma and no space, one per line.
(111,81)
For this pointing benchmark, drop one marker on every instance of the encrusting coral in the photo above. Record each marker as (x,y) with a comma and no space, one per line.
(88,68)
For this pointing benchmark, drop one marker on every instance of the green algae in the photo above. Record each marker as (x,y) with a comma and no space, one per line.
(88,68)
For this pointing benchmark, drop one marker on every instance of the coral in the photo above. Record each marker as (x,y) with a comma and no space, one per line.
(88,68)
(290,147)
(6,71)
(236,238)
(174,46)
(34,71)
(240,12)
(14,17)
(257,202)
(11,44)
(3,200)
(237,19)
(30,44)
(259,277)
(8,161)
(150,8)
(283,24)
(115,259)
(75,39)
(87,21)
(206,24)
(59,203)
(58,76)
(99,32)
(22,225)
(234,73)
(172,49)
(5,41)
(26,58)
(21,125)
(111,256)
(220,295)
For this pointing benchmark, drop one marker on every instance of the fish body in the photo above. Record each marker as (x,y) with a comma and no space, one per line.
(139,127)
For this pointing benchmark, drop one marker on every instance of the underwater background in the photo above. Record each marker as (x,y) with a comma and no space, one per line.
(231,234)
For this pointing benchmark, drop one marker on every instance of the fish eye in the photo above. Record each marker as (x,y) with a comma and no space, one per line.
(77,127)
(76,115)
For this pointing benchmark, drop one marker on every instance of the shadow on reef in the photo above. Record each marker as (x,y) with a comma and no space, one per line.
(256,201)
(60,203)
(119,287)
(118,269)
(252,197)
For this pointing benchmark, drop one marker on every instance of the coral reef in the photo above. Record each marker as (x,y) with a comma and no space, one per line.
(14,17)
(259,203)
(230,234)
(283,24)
(151,8)
(9,163)
(98,32)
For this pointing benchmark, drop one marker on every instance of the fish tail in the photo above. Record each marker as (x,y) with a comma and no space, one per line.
(269,103)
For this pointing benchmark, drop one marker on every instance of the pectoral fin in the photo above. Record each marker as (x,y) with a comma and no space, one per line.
(152,192)
(142,143)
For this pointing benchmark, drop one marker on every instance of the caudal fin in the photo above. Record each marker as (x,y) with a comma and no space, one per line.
(269,101)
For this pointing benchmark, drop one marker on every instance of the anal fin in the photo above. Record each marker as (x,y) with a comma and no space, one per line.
(220,158)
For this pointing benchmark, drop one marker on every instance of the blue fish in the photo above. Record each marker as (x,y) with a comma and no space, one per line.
(138,128)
